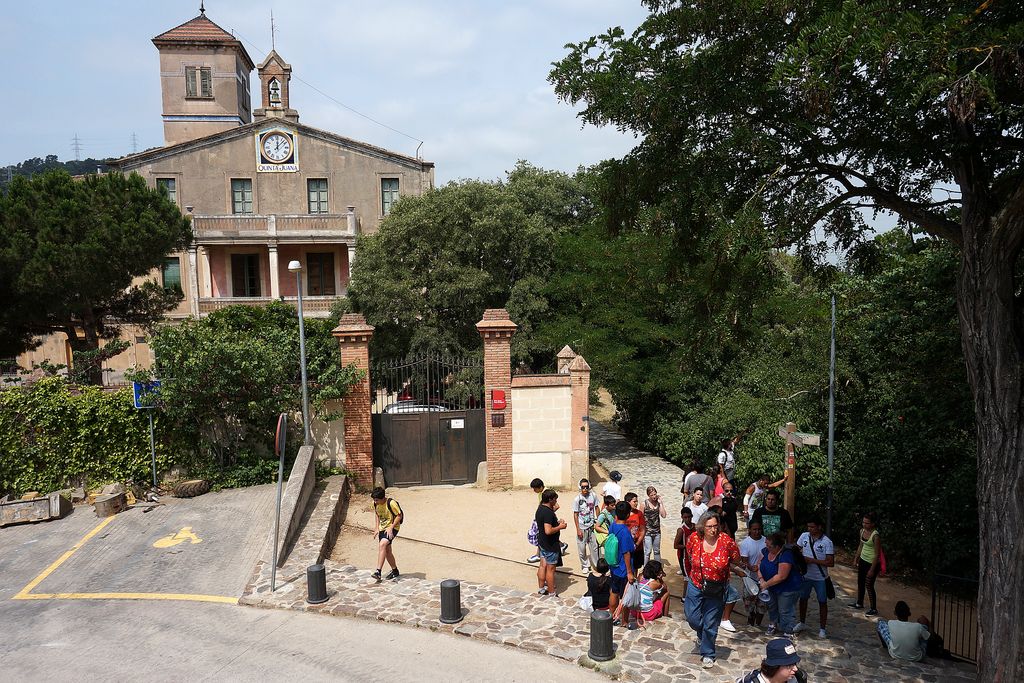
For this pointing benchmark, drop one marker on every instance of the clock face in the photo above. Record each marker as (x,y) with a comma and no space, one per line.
(277,147)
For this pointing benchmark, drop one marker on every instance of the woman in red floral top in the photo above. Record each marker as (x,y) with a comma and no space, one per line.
(709,554)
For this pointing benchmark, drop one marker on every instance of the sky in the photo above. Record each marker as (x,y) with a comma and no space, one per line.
(466,77)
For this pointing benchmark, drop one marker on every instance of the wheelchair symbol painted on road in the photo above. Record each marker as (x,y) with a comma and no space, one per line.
(171,540)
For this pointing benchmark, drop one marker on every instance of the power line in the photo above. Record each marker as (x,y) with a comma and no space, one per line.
(331,98)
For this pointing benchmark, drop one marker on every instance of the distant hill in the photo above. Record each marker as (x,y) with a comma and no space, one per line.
(32,166)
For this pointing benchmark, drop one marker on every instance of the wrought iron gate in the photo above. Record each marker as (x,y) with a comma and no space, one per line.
(428,420)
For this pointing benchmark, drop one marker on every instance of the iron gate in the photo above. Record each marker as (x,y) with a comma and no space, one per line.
(428,419)
(955,615)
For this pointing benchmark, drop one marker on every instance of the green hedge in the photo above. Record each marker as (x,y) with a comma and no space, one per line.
(54,435)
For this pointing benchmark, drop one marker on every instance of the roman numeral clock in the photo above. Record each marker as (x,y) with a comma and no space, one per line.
(277,151)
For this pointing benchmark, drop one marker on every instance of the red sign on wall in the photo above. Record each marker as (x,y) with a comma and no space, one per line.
(498,399)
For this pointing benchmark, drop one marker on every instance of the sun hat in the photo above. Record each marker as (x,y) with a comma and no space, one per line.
(615,475)
(780,652)
(751,586)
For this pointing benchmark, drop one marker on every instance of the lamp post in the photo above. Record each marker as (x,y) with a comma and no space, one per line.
(296,267)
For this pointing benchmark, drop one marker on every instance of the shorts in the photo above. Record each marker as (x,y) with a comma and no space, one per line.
(817,585)
(549,558)
(731,594)
(654,612)
(383,536)
(618,584)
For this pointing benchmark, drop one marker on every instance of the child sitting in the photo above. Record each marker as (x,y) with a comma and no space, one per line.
(599,586)
(653,593)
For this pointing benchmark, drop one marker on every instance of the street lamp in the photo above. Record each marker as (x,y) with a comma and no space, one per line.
(296,267)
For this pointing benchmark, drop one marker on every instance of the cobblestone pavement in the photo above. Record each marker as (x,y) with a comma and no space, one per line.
(555,626)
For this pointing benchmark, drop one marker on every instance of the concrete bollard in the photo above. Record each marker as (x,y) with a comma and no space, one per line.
(451,602)
(601,636)
(316,584)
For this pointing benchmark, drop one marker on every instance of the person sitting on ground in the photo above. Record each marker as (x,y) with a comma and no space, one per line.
(903,639)
(538,487)
(682,534)
(612,487)
(599,585)
(819,554)
(778,666)
(773,517)
(637,524)
(549,527)
(697,506)
(389,519)
(605,520)
(750,554)
(653,592)
(622,570)
(755,493)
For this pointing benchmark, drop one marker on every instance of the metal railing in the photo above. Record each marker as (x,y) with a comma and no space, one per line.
(955,615)
(428,381)
(255,225)
(313,306)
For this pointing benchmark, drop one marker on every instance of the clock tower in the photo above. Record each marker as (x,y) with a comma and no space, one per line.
(275,77)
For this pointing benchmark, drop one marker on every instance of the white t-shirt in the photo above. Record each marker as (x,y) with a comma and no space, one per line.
(728,459)
(584,507)
(822,548)
(612,489)
(697,510)
(751,549)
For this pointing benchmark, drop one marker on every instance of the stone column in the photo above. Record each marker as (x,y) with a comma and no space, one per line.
(579,378)
(275,274)
(352,227)
(354,341)
(206,288)
(497,329)
(193,282)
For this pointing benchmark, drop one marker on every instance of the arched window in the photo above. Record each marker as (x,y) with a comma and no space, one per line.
(274,88)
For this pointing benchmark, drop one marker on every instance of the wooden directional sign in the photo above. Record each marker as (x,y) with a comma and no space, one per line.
(799,438)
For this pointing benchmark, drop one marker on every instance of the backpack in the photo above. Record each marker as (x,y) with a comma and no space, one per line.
(611,549)
(388,502)
(531,535)
(799,561)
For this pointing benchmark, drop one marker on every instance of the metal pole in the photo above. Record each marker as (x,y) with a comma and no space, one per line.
(302,357)
(152,445)
(279,443)
(831,416)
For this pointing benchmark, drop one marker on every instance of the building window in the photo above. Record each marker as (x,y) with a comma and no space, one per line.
(170,271)
(317,189)
(388,194)
(320,274)
(241,195)
(198,81)
(245,275)
(169,187)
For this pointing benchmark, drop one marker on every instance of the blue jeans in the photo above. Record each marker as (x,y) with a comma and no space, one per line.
(703,614)
(782,610)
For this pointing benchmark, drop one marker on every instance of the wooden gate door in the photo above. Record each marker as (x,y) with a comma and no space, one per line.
(428,420)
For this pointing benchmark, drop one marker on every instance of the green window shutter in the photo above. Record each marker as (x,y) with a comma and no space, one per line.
(171,273)
(317,192)
(206,84)
(190,81)
(169,187)
(388,194)
(241,195)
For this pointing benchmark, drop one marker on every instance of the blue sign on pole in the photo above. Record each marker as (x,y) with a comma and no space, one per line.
(145,393)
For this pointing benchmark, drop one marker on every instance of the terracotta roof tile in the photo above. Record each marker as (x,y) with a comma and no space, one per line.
(200,28)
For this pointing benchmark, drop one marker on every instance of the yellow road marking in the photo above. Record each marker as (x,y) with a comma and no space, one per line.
(27,594)
(61,560)
(171,540)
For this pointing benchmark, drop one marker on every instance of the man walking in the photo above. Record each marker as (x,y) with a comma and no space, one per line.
(584,511)
(548,544)
(389,520)
(773,518)
(697,506)
(819,554)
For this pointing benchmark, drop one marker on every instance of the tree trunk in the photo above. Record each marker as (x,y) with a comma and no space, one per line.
(992,344)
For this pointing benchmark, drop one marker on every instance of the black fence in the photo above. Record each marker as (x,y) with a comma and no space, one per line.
(427,383)
(955,615)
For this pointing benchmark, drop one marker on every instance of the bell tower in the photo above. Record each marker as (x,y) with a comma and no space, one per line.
(204,80)
(275,77)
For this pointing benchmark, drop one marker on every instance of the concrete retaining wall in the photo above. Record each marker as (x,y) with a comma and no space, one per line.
(293,502)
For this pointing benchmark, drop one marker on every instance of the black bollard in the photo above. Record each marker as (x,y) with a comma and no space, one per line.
(316,584)
(601,636)
(451,602)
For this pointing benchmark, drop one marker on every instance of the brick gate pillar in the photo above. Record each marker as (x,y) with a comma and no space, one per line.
(497,329)
(579,376)
(354,341)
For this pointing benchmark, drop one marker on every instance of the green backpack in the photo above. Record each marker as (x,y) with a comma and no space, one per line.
(611,549)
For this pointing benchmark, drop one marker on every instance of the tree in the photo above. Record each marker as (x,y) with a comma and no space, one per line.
(70,250)
(438,260)
(808,114)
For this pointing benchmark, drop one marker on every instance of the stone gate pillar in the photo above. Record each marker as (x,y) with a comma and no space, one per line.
(497,329)
(354,341)
(579,376)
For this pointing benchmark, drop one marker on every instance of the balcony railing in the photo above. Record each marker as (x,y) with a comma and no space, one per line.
(312,306)
(282,227)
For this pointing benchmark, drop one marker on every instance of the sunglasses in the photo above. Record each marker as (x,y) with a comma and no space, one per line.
(584,488)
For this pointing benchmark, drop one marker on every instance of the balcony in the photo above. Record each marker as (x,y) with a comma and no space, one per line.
(312,306)
(258,229)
